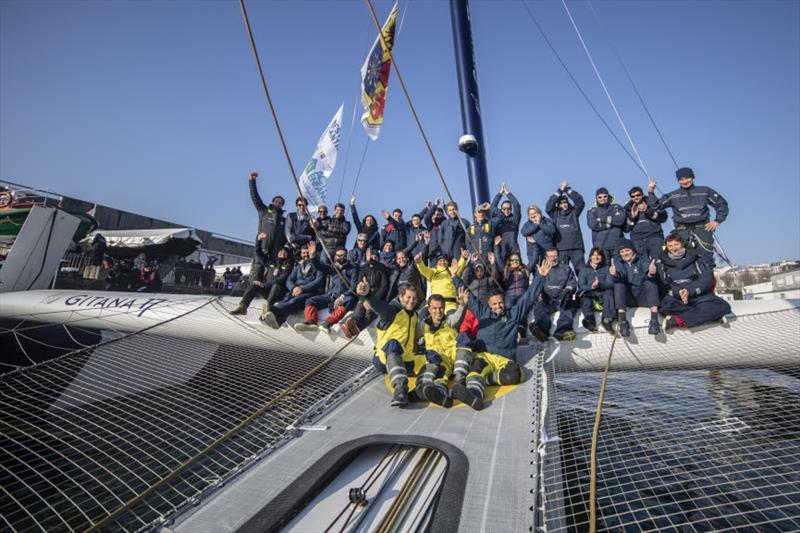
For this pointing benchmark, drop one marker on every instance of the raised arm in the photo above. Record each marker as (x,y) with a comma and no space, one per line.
(254,196)
(516,209)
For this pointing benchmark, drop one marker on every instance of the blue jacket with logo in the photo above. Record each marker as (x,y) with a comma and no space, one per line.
(568,226)
(559,280)
(690,205)
(606,222)
(644,225)
(689,272)
(633,273)
(588,274)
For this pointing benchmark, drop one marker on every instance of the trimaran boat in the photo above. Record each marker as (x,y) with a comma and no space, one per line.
(166,412)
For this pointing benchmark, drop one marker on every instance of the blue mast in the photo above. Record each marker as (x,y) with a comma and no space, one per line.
(471,143)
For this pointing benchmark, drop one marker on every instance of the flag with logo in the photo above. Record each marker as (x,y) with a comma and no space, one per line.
(314,180)
(375,77)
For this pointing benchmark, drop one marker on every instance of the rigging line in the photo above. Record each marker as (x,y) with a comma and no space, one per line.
(418,122)
(580,89)
(360,166)
(283,141)
(602,83)
(630,79)
(595,432)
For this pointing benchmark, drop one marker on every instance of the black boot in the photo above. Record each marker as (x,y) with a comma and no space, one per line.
(462,393)
(589,324)
(400,396)
(540,335)
(624,326)
(608,325)
(436,394)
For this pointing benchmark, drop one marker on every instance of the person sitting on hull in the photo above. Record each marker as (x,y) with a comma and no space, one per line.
(690,301)
(480,234)
(596,289)
(338,299)
(404,272)
(643,222)
(634,286)
(539,232)
(690,212)
(491,358)
(556,295)
(606,220)
(304,282)
(395,228)
(272,287)
(397,335)
(439,332)
(565,207)
(377,275)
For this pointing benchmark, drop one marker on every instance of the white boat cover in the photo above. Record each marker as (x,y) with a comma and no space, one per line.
(137,238)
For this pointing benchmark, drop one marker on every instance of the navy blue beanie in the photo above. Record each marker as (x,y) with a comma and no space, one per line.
(684,172)
(601,190)
(625,243)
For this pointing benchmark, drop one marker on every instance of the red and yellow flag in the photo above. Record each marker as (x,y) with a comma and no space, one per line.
(375,77)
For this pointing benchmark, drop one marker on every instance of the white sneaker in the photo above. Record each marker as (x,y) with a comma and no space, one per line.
(270,320)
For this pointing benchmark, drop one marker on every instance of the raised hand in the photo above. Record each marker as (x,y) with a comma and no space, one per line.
(418,258)
(261,236)
(464,253)
(564,185)
(353,200)
(253,175)
(651,185)
(498,239)
(543,268)
(384,213)
(362,288)
(463,295)
(312,248)
(652,268)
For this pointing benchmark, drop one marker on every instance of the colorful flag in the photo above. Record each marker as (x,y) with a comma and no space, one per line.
(314,180)
(375,78)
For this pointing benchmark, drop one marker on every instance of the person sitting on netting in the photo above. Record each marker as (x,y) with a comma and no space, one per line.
(439,332)
(395,229)
(340,296)
(606,220)
(691,300)
(634,286)
(596,292)
(304,282)
(557,295)
(440,276)
(377,275)
(367,226)
(272,286)
(404,272)
(540,233)
(480,283)
(480,234)
(506,221)
(388,253)
(565,207)
(491,358)
(397,335)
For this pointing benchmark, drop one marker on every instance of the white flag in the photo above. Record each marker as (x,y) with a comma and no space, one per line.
(314,181)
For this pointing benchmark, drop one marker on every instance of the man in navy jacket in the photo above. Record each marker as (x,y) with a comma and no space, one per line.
(606,220)
(643,222)
(690,301)
(690,212)
(539,232)
(634,286)
(304,282)
(556,295)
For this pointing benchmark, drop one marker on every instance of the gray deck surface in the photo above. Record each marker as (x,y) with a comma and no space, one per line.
(497,441)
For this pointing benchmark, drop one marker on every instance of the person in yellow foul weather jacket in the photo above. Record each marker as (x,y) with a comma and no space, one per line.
(440,334)
(440,276)
(397,337)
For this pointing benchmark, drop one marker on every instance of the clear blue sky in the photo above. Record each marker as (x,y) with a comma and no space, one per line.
(155,107)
